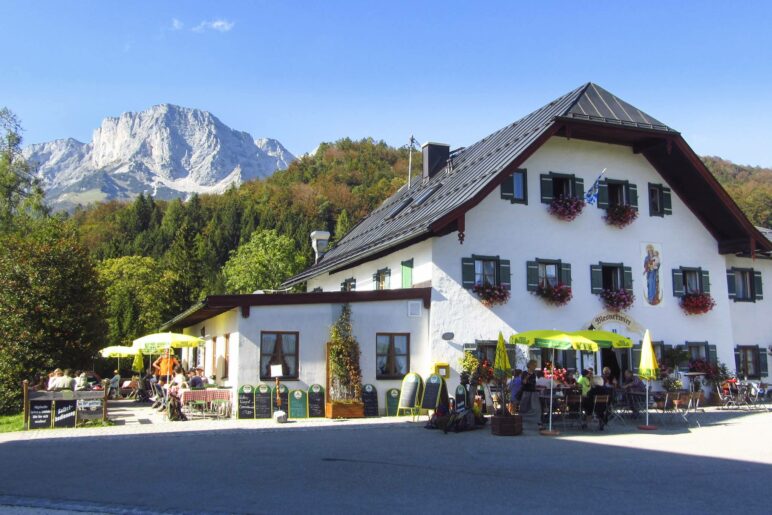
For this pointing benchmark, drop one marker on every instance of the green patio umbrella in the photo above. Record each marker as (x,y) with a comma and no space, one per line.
(118,351)
(605,339)
(555,340)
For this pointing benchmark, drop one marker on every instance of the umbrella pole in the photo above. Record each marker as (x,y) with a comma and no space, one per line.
(647,427)
(550,432)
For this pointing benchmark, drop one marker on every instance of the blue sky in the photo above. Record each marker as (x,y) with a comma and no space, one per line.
(306,72)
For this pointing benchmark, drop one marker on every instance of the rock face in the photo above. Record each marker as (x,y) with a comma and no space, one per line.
(167,151)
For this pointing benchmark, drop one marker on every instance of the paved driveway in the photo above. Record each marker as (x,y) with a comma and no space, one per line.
(383,467)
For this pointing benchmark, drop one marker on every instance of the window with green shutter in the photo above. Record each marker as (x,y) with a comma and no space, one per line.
(610,276)
(479,270)
(660,201)
(556,185)
(750,361)
(349,284)
(697,350)
(543,272)
(688,281)
(515,187)
(744,284)
(407,273)
(382,279)
(613,192)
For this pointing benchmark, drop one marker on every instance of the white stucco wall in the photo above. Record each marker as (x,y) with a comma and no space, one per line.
(215,329)
(523,233)
(752,321)
(420,253)
(313,322)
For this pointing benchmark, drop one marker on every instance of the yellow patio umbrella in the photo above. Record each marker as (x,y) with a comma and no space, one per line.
(118,351)
(159,342)
(648,369)
(552,339)
(606,339)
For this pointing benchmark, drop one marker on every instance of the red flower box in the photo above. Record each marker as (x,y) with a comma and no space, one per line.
(697,303)
(621,215)
(490,294)
(559,295)
(617,300)
(566,208)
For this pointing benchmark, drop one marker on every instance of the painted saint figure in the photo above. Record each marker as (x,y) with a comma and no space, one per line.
(651,266)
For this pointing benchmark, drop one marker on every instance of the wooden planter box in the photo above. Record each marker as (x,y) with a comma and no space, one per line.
(336,409)
(506,426)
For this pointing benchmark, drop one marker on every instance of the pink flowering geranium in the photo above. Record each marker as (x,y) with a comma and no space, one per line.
(697,303)
(566,208)
(620,215)
(617,300)
(491,294)
(559,295)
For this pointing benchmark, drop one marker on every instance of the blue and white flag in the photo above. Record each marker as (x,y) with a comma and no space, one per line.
(591,195)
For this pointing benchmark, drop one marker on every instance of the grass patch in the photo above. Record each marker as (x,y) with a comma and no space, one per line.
(9,423)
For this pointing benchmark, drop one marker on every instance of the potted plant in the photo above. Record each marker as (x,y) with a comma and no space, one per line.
(566,208)
(620,215)
(345,393)
(697,303)
(503,423)
(469,364)
(617,300)
(491,294)
(558,295)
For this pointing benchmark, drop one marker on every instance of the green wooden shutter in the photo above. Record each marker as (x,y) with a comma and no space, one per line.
(632,195)
(730,284)
(505,274)
(546,188)
(467,272)
(565,273)
(678,283)
(407,273)
(508,188)
(343,286)
(603,194)
(596,279)
(737,370)
(579,187)
(375,281)
(758,292)
(763,366)
(627,279)
(705,281)
(667,201)
(712,355)
(636,357)
(532,275)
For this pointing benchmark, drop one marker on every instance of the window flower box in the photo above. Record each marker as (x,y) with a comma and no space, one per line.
(620,215)
(617,300)
(697,303)
(490,294)
(566,208)
(558,295)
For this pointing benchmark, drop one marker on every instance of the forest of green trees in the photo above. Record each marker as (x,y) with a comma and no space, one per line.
(110,272)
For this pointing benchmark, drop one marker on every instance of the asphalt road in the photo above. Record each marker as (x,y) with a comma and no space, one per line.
(393,468)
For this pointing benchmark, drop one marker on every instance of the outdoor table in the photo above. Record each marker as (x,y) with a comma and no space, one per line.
(207,396)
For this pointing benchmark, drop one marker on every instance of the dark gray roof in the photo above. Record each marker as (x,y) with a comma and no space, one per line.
(469,170)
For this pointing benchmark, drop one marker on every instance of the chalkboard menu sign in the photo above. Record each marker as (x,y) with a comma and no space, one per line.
(246,400)
(392,402)
(370,400)
(283,395)
(263,401)
(298,404)
(64,413)
(432,392)
(411,391)
(316,401)
(460,397)
(40,414)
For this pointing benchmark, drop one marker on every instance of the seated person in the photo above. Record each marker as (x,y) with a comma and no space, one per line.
(585,383)
(195,380)
(81,383)
(204,379)
(632,383)
(514,390)
(178,382)
(608,379)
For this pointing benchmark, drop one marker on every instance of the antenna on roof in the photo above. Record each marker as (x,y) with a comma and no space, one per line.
(410,144)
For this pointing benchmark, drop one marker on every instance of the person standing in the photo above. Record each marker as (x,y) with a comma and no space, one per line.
(165,364)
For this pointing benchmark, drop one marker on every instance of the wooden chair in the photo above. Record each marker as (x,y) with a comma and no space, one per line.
(573,409)
(599,410)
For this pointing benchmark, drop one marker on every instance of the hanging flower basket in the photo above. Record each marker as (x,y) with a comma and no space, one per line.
(697,303)
(566,208)
(621,215)
(617,300)
(558,295)
(491,295)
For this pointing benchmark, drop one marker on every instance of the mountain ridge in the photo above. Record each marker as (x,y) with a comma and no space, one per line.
(168,151)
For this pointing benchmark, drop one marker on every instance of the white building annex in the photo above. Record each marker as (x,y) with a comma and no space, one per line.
(479,215)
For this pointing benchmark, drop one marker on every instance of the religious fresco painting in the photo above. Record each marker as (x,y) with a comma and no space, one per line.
(651,270)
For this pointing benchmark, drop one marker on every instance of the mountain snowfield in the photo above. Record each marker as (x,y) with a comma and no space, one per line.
(167,151)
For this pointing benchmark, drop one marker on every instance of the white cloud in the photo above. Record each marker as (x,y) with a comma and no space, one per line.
(177,24)
(218,25)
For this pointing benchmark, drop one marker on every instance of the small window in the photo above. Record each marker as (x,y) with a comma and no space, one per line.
(743,285)
(482,270)
(399,207)
(381,279)
(392,355)
(425,194)
(660,201)
(349,284)
(562,187)
(617,193)
(279,348)
(485,271)
(612,277)
(747,361)
(520,187)
(697,350)
(557,185)
(549,273)
(692,280)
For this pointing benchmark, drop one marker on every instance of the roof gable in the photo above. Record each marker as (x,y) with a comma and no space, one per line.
(588,112)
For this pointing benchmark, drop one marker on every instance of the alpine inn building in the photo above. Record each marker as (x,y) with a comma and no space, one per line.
(480,214)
